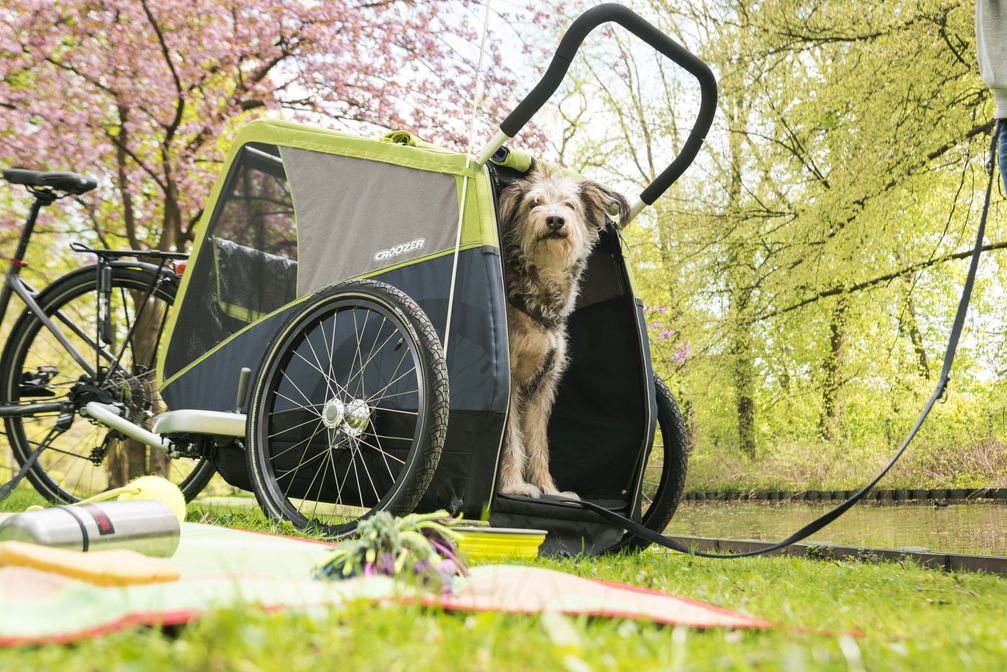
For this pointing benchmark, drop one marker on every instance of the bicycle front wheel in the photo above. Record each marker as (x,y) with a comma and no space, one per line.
(35,368)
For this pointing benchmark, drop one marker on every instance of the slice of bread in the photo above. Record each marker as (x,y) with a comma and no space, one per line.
(102,568)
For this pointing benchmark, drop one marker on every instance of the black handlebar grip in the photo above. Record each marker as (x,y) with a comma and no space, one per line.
(637,25)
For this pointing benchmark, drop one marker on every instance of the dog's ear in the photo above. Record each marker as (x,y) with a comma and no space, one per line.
(510,200)
(600,202)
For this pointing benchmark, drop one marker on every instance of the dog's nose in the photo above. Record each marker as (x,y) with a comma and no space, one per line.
(555,222)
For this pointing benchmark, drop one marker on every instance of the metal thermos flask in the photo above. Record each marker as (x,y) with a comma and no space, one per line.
(147,526)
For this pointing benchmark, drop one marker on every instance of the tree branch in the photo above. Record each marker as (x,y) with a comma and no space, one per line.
(172,127)
(867,284)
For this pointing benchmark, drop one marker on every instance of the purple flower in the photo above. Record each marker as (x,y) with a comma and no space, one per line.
(682,353)
(442,548)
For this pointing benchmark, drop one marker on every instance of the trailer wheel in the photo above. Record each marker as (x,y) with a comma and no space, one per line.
(349,410)
(664,474)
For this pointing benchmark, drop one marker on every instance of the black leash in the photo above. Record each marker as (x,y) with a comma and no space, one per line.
(942,384)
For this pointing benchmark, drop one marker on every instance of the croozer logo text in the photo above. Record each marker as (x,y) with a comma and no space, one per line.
(400,249)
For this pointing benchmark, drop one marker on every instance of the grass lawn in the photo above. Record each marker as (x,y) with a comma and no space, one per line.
(911,618)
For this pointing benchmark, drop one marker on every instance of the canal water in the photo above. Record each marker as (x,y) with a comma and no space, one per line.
(956,528)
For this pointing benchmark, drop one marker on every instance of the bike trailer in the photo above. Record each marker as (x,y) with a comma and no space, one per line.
(358,284)
(351,291)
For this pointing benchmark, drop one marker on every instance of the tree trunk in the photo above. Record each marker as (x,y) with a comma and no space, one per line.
(740,272)
(922,364)
(744,383)
(832,380)
(691,428)
(912,324)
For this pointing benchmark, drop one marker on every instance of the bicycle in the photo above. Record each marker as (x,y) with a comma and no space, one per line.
(90,336)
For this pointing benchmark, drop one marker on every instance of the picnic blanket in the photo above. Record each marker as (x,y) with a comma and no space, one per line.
(225,567)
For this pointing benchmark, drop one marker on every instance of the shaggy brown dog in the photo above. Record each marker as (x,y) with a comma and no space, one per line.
(550,222)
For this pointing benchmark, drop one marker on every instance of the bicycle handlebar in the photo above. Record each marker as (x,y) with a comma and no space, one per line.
(639,26)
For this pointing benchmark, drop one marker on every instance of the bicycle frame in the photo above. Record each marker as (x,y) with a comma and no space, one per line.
(14,284)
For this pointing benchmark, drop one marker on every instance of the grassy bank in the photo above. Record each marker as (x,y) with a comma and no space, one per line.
(841,466)
(910,618)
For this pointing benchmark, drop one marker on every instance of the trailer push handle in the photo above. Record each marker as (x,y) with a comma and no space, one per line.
(561,61)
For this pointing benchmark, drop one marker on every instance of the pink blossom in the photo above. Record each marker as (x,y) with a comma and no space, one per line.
(682,353)
(147,95)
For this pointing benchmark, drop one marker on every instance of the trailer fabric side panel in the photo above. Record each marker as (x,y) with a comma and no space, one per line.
(247,266)
(356,216)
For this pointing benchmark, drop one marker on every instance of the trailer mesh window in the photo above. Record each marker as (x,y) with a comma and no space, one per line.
(251,269)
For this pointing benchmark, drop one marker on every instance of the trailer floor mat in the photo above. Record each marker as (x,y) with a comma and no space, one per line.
(223,567)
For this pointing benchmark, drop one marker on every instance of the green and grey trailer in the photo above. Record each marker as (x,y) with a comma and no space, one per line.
(351,291)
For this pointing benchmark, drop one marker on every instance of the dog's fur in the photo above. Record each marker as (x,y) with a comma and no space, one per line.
(542,270)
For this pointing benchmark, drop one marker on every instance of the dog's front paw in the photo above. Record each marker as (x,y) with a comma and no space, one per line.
(554,492)
(522,490)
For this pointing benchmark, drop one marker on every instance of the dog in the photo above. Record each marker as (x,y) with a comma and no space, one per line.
(549,222)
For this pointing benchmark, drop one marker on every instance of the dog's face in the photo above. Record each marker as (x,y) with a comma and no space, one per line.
(554,219)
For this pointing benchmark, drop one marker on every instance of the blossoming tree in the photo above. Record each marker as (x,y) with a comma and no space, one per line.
(144,94)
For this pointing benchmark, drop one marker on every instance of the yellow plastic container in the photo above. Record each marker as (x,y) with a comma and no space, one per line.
(496,543)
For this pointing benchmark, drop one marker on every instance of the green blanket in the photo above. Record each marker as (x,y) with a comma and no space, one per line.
(224,567)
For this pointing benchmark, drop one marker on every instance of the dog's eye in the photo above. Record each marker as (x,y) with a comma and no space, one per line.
(569,204)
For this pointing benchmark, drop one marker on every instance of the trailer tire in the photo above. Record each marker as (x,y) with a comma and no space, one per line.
(672,454)
(348,411)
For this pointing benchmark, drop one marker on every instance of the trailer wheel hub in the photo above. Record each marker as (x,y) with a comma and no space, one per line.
(358,415)
(333,413)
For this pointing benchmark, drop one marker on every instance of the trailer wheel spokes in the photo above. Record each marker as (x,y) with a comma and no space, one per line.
(349,409)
